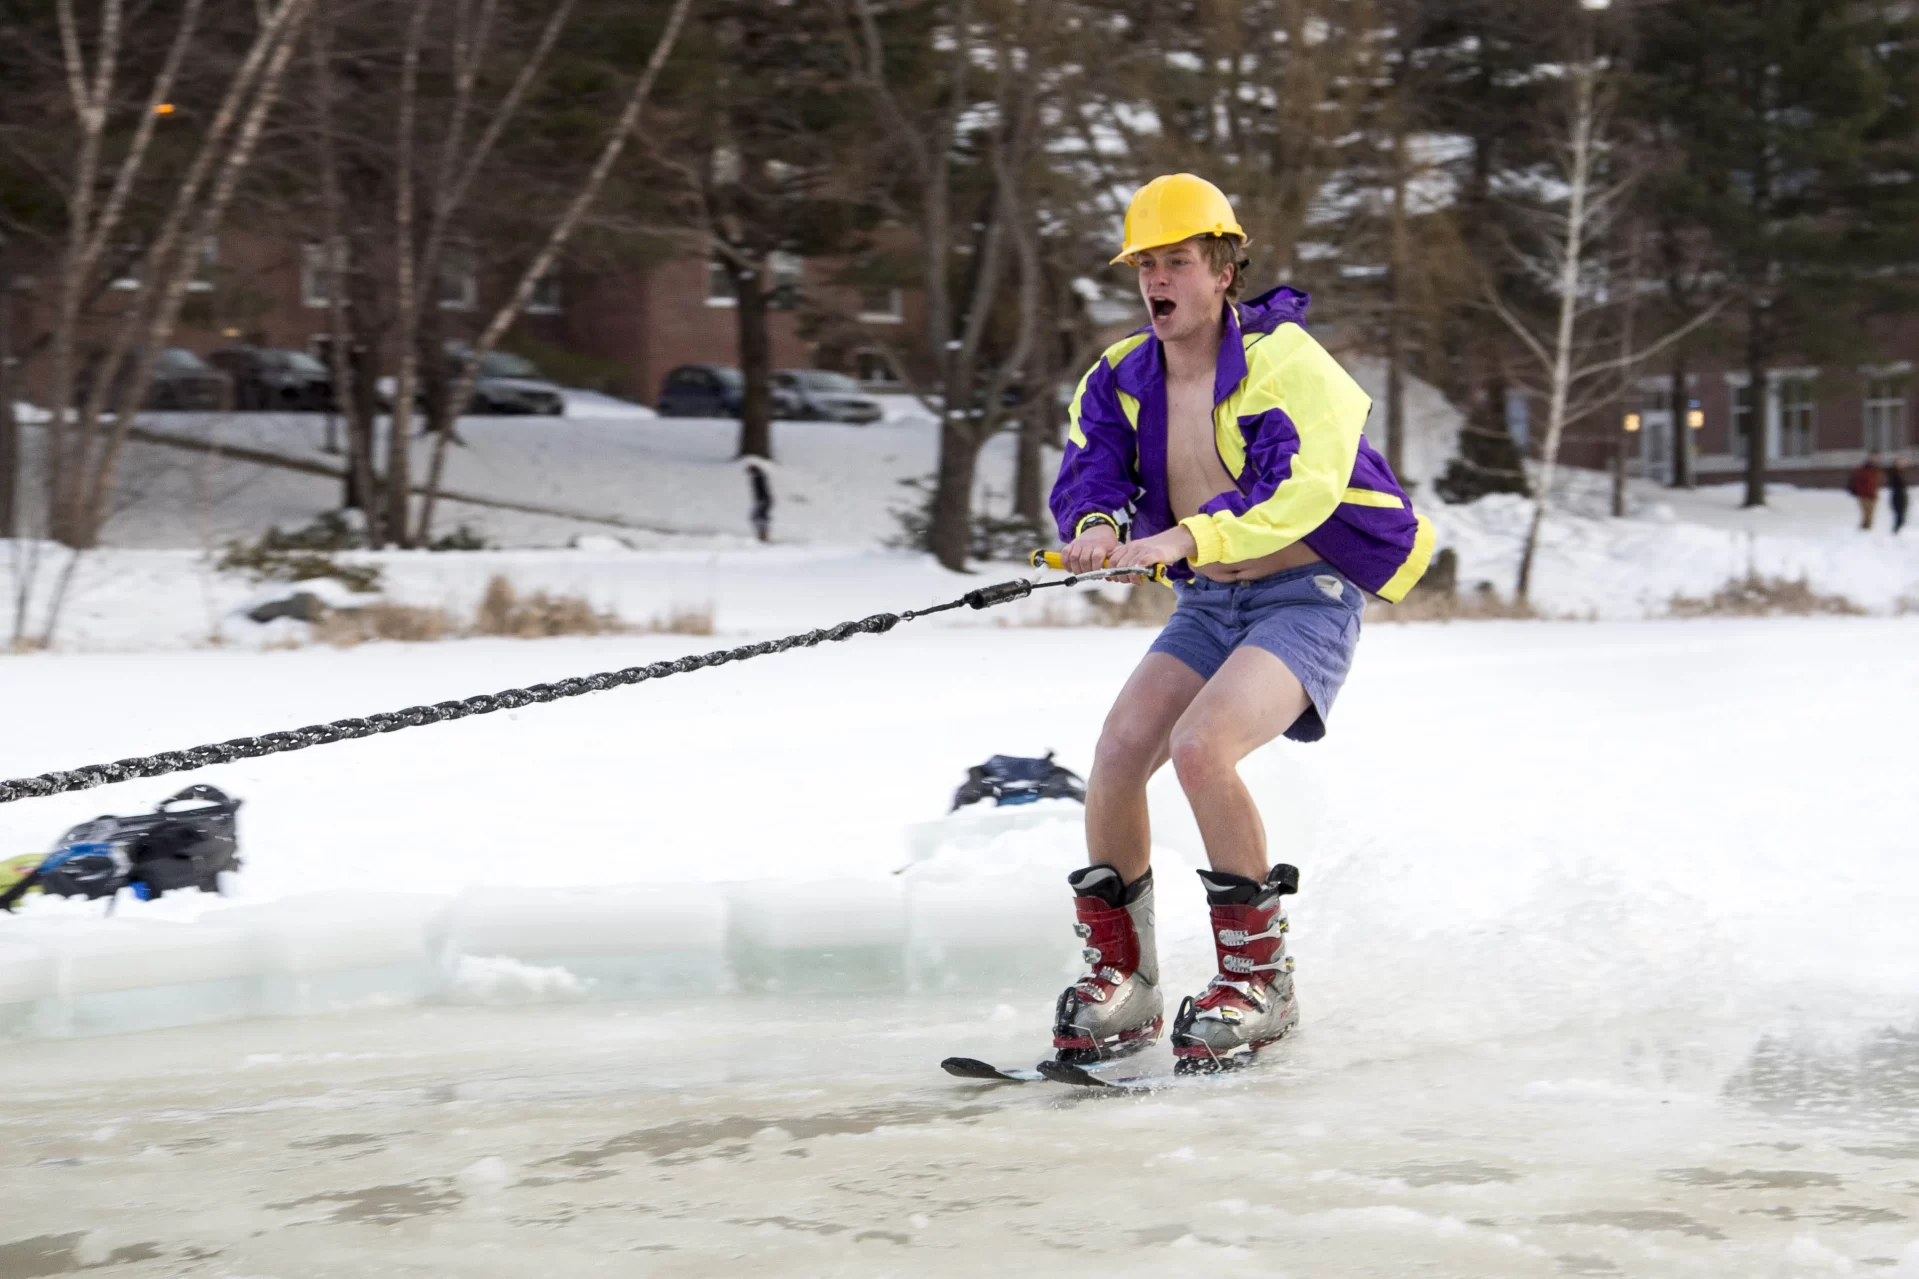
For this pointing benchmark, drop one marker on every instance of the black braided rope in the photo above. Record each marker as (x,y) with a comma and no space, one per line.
(341,730)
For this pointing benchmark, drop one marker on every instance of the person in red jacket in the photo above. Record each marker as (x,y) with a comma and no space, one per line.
(1865,487)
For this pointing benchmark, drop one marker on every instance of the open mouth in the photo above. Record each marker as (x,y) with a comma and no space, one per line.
(1162,308)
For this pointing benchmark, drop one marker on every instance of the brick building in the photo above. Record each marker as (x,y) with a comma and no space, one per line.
(1820,420)
(633,326)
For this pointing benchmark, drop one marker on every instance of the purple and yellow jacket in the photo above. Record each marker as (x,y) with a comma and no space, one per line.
(1287,421)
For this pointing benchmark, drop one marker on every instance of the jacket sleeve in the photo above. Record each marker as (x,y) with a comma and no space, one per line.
(1096,475)
(1302,436)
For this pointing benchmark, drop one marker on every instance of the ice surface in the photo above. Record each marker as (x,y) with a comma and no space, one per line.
(623,939)
(812,937)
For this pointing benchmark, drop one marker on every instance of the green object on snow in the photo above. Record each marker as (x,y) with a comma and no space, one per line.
(15,869)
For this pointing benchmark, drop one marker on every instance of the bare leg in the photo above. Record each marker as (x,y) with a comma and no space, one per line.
(1132,747)
(1250,701)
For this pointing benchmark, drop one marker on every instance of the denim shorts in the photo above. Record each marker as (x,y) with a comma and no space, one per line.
(1307,617)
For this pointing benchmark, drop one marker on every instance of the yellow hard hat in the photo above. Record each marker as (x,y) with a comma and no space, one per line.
(1175,207)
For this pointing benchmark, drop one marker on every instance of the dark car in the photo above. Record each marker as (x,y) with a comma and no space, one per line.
(265,378)
(828,397)
(715,390)
(182,381)
(508,384)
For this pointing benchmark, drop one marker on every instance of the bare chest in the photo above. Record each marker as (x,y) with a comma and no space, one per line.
(1194,473)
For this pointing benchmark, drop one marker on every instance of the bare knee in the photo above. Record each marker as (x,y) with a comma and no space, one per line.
(1198,755)
(1129,752)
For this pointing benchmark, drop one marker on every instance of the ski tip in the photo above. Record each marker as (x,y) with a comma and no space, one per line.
(972,1068)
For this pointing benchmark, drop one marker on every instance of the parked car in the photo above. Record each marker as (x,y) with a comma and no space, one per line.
(182,381)
(823,396)
(714,390)
(508,384)
(269,379)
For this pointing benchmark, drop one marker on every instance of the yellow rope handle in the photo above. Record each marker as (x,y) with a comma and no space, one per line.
(1051,559)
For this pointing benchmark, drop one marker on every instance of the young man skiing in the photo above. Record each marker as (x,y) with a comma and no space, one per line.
(1224,442)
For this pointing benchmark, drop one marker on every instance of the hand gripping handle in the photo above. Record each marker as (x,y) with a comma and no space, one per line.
(1051,559)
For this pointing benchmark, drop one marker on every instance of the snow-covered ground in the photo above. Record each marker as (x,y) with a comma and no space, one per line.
(659,524)
(1605,970)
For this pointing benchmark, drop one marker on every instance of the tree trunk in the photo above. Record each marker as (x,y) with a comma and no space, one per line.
(10,522)
(949,535)
(1619,472)
(756,360)
(1395,299)
(1756,419)
(1681,422)
(1029,477)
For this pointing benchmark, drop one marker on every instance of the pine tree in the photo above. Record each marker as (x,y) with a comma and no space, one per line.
(1789,114)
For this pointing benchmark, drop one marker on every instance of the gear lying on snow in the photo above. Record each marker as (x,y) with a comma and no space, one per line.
(155,853)
(510,699)
(1018,779)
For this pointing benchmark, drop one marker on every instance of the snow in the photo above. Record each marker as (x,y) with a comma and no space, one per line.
(1680,543)
(1598,960)
(594,404)
(654,481)
(1605,942)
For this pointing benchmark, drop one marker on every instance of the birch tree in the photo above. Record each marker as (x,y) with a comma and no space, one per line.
(85,449)
(625,127)
(958,88)
(1574,204)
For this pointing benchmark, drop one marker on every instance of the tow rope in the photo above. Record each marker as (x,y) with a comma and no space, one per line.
(340,730)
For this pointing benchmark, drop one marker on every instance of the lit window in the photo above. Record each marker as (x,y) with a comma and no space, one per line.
(1886,412)
(459,278)
(882,306)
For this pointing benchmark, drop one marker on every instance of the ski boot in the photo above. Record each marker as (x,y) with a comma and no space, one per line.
(1250,1003)
(1116,1008)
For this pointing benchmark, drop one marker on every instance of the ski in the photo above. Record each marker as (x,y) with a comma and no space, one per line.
(971,1068)
(1079,1076)
(1061,1072)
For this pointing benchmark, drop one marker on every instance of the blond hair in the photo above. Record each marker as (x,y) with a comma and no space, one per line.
(1222,251)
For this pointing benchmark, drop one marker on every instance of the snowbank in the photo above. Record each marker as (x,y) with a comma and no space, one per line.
(610,468)
(1679,543)
(760,828)
(592,404)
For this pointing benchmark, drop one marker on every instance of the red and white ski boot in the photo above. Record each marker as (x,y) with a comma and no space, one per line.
(1116,1008)
(1250,1003)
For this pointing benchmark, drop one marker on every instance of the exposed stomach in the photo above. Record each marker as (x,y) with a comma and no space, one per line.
(1298,555)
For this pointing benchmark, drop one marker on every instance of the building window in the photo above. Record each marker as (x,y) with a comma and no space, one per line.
(545,299)
(1886,412)
(874,367)
(459,278)
(786,274)
(1519,417)
(789,278)
(883,306)
(205,262)
(719,284)
(316,275)
(1741,420)
(1795,417)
